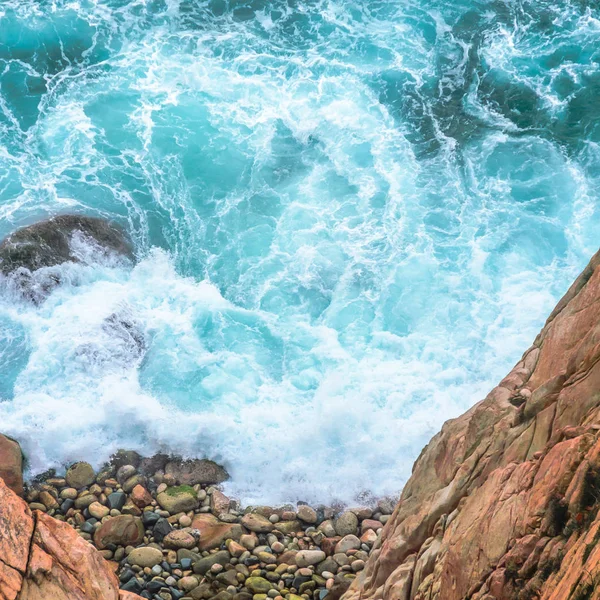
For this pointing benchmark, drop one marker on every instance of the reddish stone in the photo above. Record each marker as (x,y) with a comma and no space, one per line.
(495,489)
(370,524)
(10,582)
(328,544)
(214,532)
(368,537)
(16,529)
(140,496)
(123,530)
(287,558)
(219,502)
(42,558)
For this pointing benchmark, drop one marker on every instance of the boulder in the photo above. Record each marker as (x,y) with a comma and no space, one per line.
(307,514)
(348,542)
(258,585)
(16,530)
(288,527)
(179,539)
(202,566)
(370,524)
(80,475)
(124,530)
(219,502)
(161,529)
(52,242)
(11,464)
(346,523)
(327,528)
(116,500)
(26,253)
(63,565)
(178,499)
(214,532)
(98,511)
(257,523)
(140,496)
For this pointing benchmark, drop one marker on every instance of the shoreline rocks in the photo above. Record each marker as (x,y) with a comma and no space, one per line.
(172,534)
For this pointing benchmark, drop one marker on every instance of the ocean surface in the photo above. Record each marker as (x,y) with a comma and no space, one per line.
(350,217)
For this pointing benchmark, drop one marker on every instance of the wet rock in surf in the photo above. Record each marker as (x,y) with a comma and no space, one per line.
(28,254)
(50,242)
(123,328)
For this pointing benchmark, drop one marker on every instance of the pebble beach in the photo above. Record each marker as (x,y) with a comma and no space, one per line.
(171,533)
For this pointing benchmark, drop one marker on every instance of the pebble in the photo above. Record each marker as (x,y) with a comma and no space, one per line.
(358,565)
(309,557)
(187,584)
(98,511)
(307,514)
(145,557)
(346,524)
(249,541)
(185,521)
(68,493)
(348,542)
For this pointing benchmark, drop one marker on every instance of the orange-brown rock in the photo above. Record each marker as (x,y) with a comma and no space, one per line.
(504,502)
(10,582)
(63,565)
(45,559)
(124,530)
(214,532)
(11,464)
(16,529)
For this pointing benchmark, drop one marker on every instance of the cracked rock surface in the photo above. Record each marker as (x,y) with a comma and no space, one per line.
(503,502)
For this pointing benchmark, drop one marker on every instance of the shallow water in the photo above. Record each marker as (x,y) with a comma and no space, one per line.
(351,218)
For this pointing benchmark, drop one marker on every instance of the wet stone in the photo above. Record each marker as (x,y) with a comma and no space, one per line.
(161,529)
(116,500)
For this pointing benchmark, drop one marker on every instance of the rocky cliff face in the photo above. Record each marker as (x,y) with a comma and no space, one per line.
(44,559)
(503,502)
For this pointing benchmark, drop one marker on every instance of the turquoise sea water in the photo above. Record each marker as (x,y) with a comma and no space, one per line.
(351,218)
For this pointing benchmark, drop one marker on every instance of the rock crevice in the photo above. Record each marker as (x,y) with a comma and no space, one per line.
(44,559)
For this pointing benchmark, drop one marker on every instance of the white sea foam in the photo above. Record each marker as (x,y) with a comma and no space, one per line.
(346,234)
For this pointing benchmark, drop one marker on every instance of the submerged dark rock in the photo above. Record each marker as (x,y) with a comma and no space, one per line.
(28,255)
(49,243)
